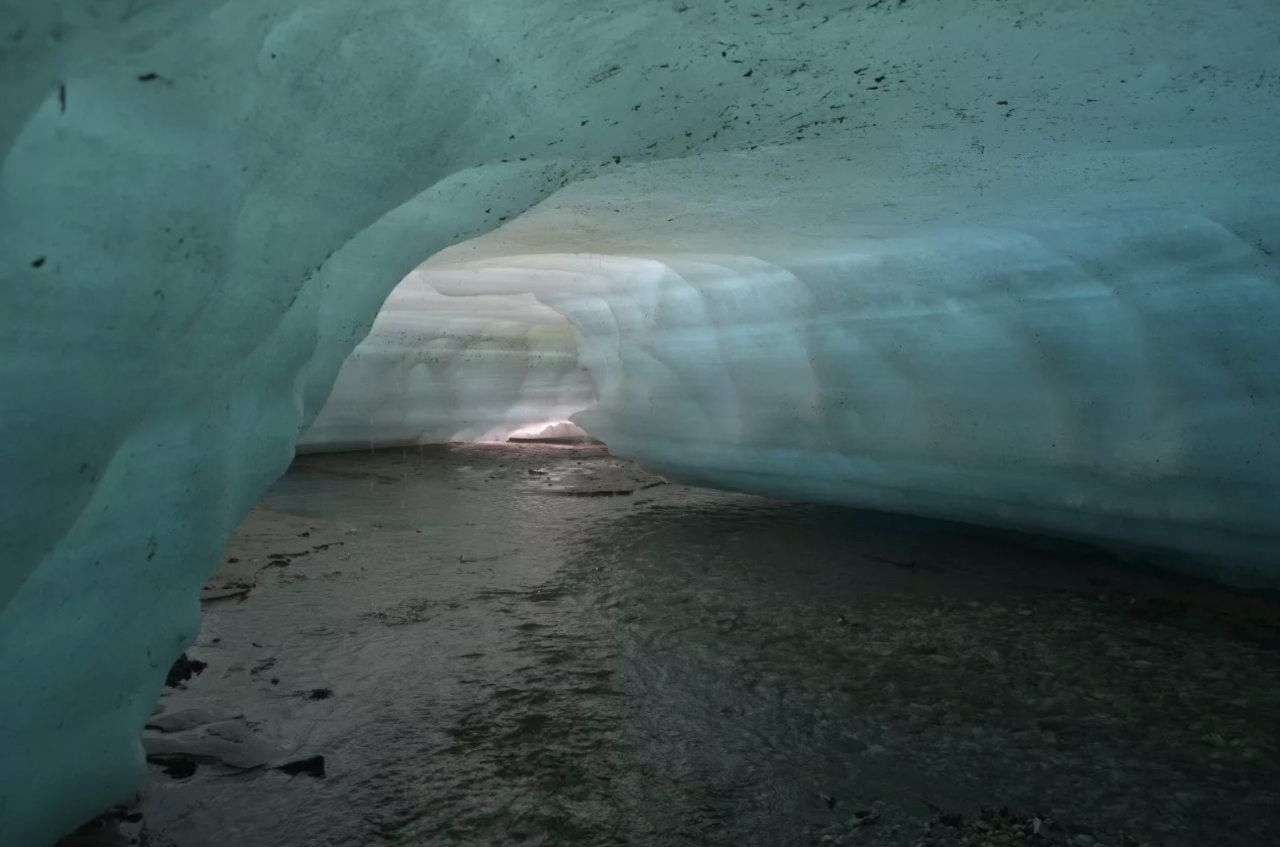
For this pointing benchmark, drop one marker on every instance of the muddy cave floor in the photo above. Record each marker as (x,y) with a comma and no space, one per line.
(457,645)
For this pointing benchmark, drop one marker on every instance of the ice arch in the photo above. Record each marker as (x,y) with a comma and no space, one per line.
(203,203)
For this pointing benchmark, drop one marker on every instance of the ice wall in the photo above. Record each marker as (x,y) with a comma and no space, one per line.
(1114,380)
(437,368)
(1100,361)
(203,203)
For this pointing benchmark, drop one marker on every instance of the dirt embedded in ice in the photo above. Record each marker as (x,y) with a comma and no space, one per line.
(505,665)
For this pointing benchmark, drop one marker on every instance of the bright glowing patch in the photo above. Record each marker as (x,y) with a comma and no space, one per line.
(548,429)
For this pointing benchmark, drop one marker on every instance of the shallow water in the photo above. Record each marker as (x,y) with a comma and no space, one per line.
(512,664)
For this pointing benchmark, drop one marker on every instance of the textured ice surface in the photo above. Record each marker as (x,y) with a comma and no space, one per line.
(1115,380)
(203,204)
(437,368)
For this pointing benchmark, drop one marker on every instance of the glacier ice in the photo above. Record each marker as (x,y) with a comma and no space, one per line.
(1113,380)
(436,368)
(204,202)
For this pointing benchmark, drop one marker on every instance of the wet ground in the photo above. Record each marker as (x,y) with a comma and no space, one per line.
(458,646)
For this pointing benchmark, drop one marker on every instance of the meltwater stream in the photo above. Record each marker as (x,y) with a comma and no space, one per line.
(484,653)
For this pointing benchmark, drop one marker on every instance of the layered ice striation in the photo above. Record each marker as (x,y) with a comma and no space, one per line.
(1115,380)
(437,368)
(1000,260)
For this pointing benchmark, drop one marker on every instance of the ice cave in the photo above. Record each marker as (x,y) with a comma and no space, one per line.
(1010,265)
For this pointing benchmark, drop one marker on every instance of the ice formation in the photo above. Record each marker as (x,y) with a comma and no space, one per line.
(985,258)
(1109,404)
(437,368)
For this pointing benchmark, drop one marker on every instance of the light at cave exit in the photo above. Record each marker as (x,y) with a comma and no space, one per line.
(547,429)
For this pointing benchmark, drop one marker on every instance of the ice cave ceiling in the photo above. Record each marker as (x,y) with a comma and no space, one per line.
(1004,261)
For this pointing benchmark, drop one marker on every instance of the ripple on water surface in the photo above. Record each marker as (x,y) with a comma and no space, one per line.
(485,655)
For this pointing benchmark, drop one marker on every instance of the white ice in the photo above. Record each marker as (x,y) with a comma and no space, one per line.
(1001,260)
(436,369)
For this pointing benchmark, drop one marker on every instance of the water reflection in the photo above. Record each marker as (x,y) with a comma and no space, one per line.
(514,665)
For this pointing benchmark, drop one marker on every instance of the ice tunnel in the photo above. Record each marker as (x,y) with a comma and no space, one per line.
(1012,263)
